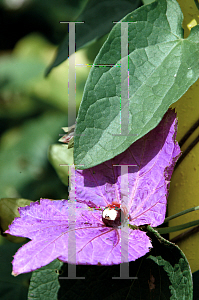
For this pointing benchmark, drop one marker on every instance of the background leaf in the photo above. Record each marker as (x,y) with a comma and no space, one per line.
(60,154)
(16,72)
(162,66)
(29,157)
(9,211)
(98,21)
(39,16)
(44,284)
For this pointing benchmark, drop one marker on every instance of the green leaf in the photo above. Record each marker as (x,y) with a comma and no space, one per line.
(9,211)
(145,2)
(175,264)
(11,287)
(44,284)
(180,285)
(61,155)
(98,17)
(162,66)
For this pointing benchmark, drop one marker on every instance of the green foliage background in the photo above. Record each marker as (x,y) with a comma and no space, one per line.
(32,110)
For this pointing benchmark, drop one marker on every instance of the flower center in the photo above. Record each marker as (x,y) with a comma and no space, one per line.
(111,215)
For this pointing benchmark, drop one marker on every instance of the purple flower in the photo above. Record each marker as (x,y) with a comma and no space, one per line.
(100,199)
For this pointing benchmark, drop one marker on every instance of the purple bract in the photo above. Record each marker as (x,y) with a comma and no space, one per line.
(140,190)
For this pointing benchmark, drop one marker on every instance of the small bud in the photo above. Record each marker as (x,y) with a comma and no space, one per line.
(69,137)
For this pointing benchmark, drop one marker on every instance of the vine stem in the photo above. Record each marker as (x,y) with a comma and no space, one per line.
(185,234)
(181,213)
(165,230)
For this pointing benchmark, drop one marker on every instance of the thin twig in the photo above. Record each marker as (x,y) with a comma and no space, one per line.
(185,234)
(189,133)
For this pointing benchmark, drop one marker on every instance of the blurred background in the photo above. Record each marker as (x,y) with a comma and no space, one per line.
(34,108)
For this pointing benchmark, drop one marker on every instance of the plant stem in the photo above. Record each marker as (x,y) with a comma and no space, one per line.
(181,213)
(165,230)
(185,234)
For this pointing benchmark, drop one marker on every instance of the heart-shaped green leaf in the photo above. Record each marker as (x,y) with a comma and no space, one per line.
(162,66)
